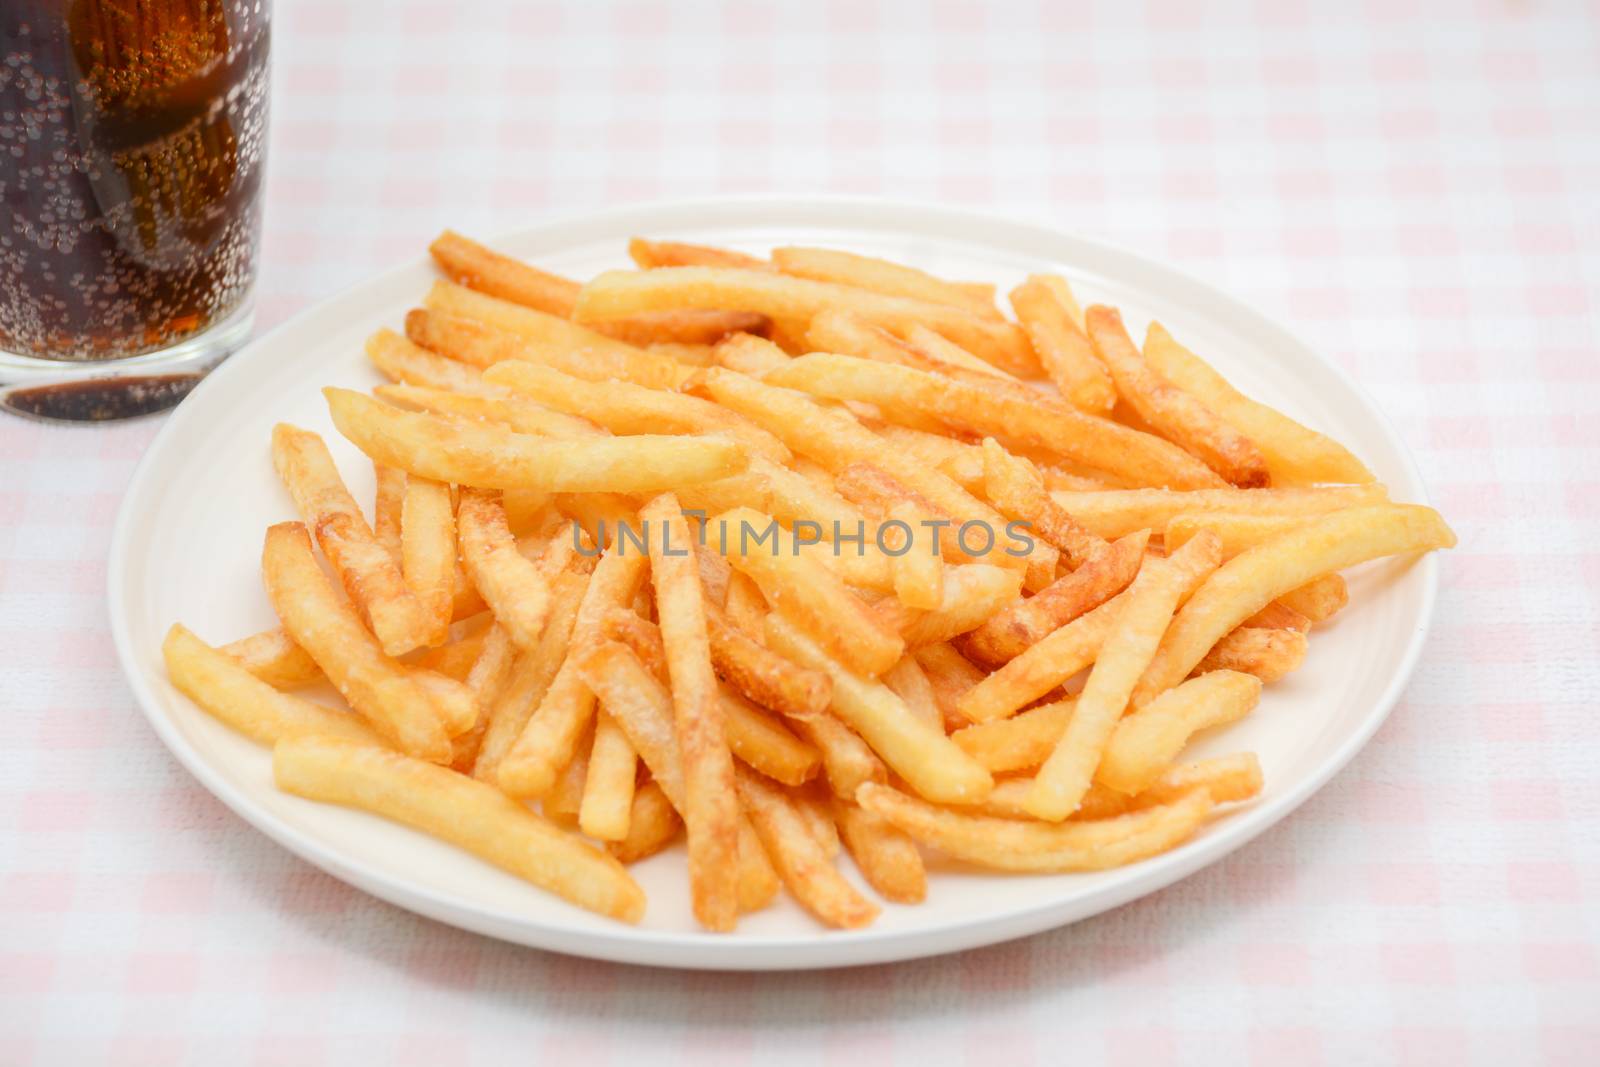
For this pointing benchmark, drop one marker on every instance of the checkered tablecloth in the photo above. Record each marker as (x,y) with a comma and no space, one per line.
(1411,186)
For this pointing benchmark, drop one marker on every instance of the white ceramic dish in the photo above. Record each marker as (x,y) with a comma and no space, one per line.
(187,544)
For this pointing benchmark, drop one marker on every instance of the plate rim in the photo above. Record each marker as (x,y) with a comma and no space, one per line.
(634,945)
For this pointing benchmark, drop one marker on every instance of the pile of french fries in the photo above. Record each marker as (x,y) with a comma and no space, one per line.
(1002,572)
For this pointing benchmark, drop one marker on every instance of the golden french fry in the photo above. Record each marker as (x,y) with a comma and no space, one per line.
(231,694)
(651,254)
(711,812)
(508,711)
(972,594)
(1319,599)
(1024,623)
(550,735)
(1042,305)
(1012,845)
(950,674)
(1237,530)
(1011,412)
(452,700)
(674,332)
(515,413)
(653,824)
(1294,455)
(816,810)
(471,264)
(380,689)
(799,857)
(1170,411)
(1229,779)
(386,505)
(370,575)
(457,809)
(525,323)
(1143,744)
(918,571)
(1276,616)
(486,679)
(1014,486)
(887,857)
(1267,654)
(917,750)
(564,800)
(619,294)
(907,680)
(1136,631)
(609,784)
(846,759)
(428,551)
(492,458)
(1117,512)
(1248,582)
(273,657)
(625,408)
(412,364)
(453,659)
(761,674)
(746,608)
(515,588)
(594,357)
(804,590)
(1019,743)
(748,355)
(880,276)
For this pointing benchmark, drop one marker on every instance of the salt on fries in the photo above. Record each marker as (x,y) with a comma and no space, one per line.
(793,558)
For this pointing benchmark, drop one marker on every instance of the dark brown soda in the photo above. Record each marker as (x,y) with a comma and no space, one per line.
(132,138)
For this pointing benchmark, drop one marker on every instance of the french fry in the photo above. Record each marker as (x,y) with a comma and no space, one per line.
(1042,305)
(454,659)
(457,809)
(1319,599)
(530,677)
(950,674)
(1011,845)
(944,355)
(380,689)
(1009,412)
(1170,411)
(917,750)
(625,408)
(428,551)
(1019,743)
(1294,454)
(653,824)
(1024,623)
(619,294)
(1276,616)
(273,657)
(525,323)
(847,761)
(918,571)
(746,608)
(1248,582)
(471,264)
(887,857)
(1143,744)
(1015,487)
(386,504)
(652,254)
(564,800)
(799,857)
(749,355)
(1237,530)
(711,811)
(457,708)
(643,708)
(802,589)
(229,693)
(550,735)
(686,327)
(593,356)
(609,785)
(413,364)
(761,674)
(370,575)
(907,680)
(1267,654)
(816,810)
(972,594)
(1127,650)
(515,413)
(1072,647)
(515,588)
(714,575)
(881,276)
(491,458)
(1229,780)
(487,679)
(1112,513)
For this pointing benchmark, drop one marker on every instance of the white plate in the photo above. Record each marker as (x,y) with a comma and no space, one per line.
(188,539)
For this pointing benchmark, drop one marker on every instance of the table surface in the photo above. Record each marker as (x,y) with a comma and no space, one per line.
(1411,187)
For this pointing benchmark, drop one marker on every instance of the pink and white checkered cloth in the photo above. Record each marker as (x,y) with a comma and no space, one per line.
(1412,186)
